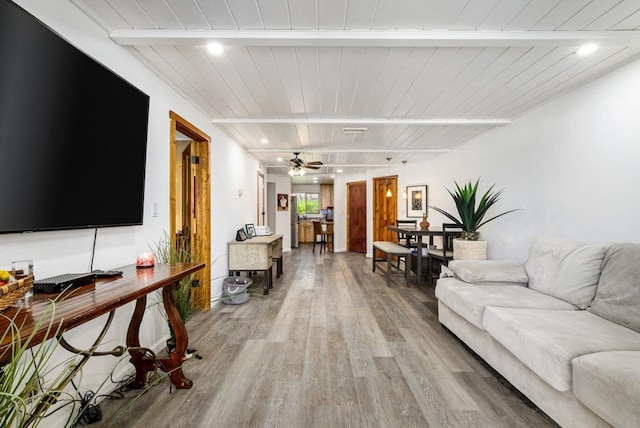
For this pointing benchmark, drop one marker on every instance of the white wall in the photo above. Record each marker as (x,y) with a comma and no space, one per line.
(572,166)
(283,218)
(70,251)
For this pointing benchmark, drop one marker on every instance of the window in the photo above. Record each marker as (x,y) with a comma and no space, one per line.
(308,203)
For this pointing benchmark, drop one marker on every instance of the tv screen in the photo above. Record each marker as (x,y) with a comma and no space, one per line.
(73,135)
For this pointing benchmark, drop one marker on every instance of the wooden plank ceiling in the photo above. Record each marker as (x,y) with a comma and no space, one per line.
(423,76)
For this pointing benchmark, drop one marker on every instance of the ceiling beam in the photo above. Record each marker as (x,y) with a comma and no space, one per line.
(338,165)
(388,38)
(348,121)
(333,150)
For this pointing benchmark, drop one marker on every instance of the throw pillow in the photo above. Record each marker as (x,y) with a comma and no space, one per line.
(507,271)
(618,295)
(566,270)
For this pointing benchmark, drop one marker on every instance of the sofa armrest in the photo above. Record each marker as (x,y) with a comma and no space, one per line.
(494,271)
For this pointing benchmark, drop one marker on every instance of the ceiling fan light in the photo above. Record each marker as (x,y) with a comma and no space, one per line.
(301,172)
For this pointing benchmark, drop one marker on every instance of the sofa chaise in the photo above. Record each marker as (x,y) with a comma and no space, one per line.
(563,327)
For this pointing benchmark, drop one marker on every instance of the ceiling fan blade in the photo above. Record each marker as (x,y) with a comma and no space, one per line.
(314,163)
(311,167)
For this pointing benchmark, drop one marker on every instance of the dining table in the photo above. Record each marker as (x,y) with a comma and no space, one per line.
(411,232)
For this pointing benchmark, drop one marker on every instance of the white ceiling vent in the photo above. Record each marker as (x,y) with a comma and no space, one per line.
(354,130)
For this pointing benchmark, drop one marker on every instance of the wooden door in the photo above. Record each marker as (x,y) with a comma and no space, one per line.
(190,209)
(188,185)
(385,209)
(357,217)
(261,200)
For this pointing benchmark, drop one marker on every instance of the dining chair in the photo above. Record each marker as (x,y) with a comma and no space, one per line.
(319,236)
(403,239)
(443,255)
(329,236)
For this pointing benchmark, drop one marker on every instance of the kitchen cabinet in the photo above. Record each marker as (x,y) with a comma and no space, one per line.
(305,231)
(326,195)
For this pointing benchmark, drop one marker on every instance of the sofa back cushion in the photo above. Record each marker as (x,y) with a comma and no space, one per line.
(618,295)
(566,270)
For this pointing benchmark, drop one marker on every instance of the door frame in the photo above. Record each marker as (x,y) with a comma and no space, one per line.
(203,210)
(261,197)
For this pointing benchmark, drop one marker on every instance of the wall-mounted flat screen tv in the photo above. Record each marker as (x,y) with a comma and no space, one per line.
(73,134)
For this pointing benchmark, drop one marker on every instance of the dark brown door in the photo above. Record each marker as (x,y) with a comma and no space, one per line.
(357,217)
(385,209)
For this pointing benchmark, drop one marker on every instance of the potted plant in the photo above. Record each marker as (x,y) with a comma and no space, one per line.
(471,217)
(178,251)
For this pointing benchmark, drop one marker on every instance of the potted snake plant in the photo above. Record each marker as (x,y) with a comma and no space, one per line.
(472,217)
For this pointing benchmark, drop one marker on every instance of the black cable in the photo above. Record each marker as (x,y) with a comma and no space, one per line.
(93,251)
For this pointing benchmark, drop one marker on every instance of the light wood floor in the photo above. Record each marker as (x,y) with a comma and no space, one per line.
(331,346)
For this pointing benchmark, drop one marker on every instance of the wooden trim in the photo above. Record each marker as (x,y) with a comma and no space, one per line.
(261,195)
(187,128)
(203,211)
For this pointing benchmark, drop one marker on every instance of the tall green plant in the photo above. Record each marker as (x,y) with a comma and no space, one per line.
(26,391)
(472,215)
(166,251)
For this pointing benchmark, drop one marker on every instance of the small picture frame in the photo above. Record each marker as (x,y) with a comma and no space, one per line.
(283,202)
(416,200)
(251,229)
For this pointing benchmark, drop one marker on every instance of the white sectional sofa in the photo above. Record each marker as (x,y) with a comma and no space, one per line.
(563,327)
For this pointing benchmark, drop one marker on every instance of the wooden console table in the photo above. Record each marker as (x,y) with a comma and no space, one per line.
(257,254)
(104,296)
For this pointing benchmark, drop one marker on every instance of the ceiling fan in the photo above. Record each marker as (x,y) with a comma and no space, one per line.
(297,164)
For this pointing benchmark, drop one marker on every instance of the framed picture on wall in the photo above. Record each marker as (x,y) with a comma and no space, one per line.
(416,200)
(283,202)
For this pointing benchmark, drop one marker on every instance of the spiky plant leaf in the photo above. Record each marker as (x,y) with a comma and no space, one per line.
(471,216)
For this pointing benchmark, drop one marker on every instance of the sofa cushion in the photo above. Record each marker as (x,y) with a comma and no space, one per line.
(489,270)
(609,384)
(567,270)
(470,300)
(618,294)
(547,340)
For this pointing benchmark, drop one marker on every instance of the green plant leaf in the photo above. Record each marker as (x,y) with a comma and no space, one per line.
(472,215)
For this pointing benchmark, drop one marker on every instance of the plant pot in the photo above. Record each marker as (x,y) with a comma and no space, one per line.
(469,250)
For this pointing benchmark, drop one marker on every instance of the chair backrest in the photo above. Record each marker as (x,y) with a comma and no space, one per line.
(406,223)
(317,228)
(449,232)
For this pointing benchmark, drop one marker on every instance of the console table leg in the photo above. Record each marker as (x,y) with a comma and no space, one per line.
(142,362)
(173,363)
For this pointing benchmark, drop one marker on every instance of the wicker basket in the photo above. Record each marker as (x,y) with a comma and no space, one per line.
(12,292)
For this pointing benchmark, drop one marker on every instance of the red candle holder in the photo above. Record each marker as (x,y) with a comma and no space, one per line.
(145,260)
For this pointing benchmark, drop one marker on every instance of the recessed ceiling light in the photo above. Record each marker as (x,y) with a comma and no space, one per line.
(333,176)
(338,171)
(215,48)
(587,49)
(279,159)
(264,141)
